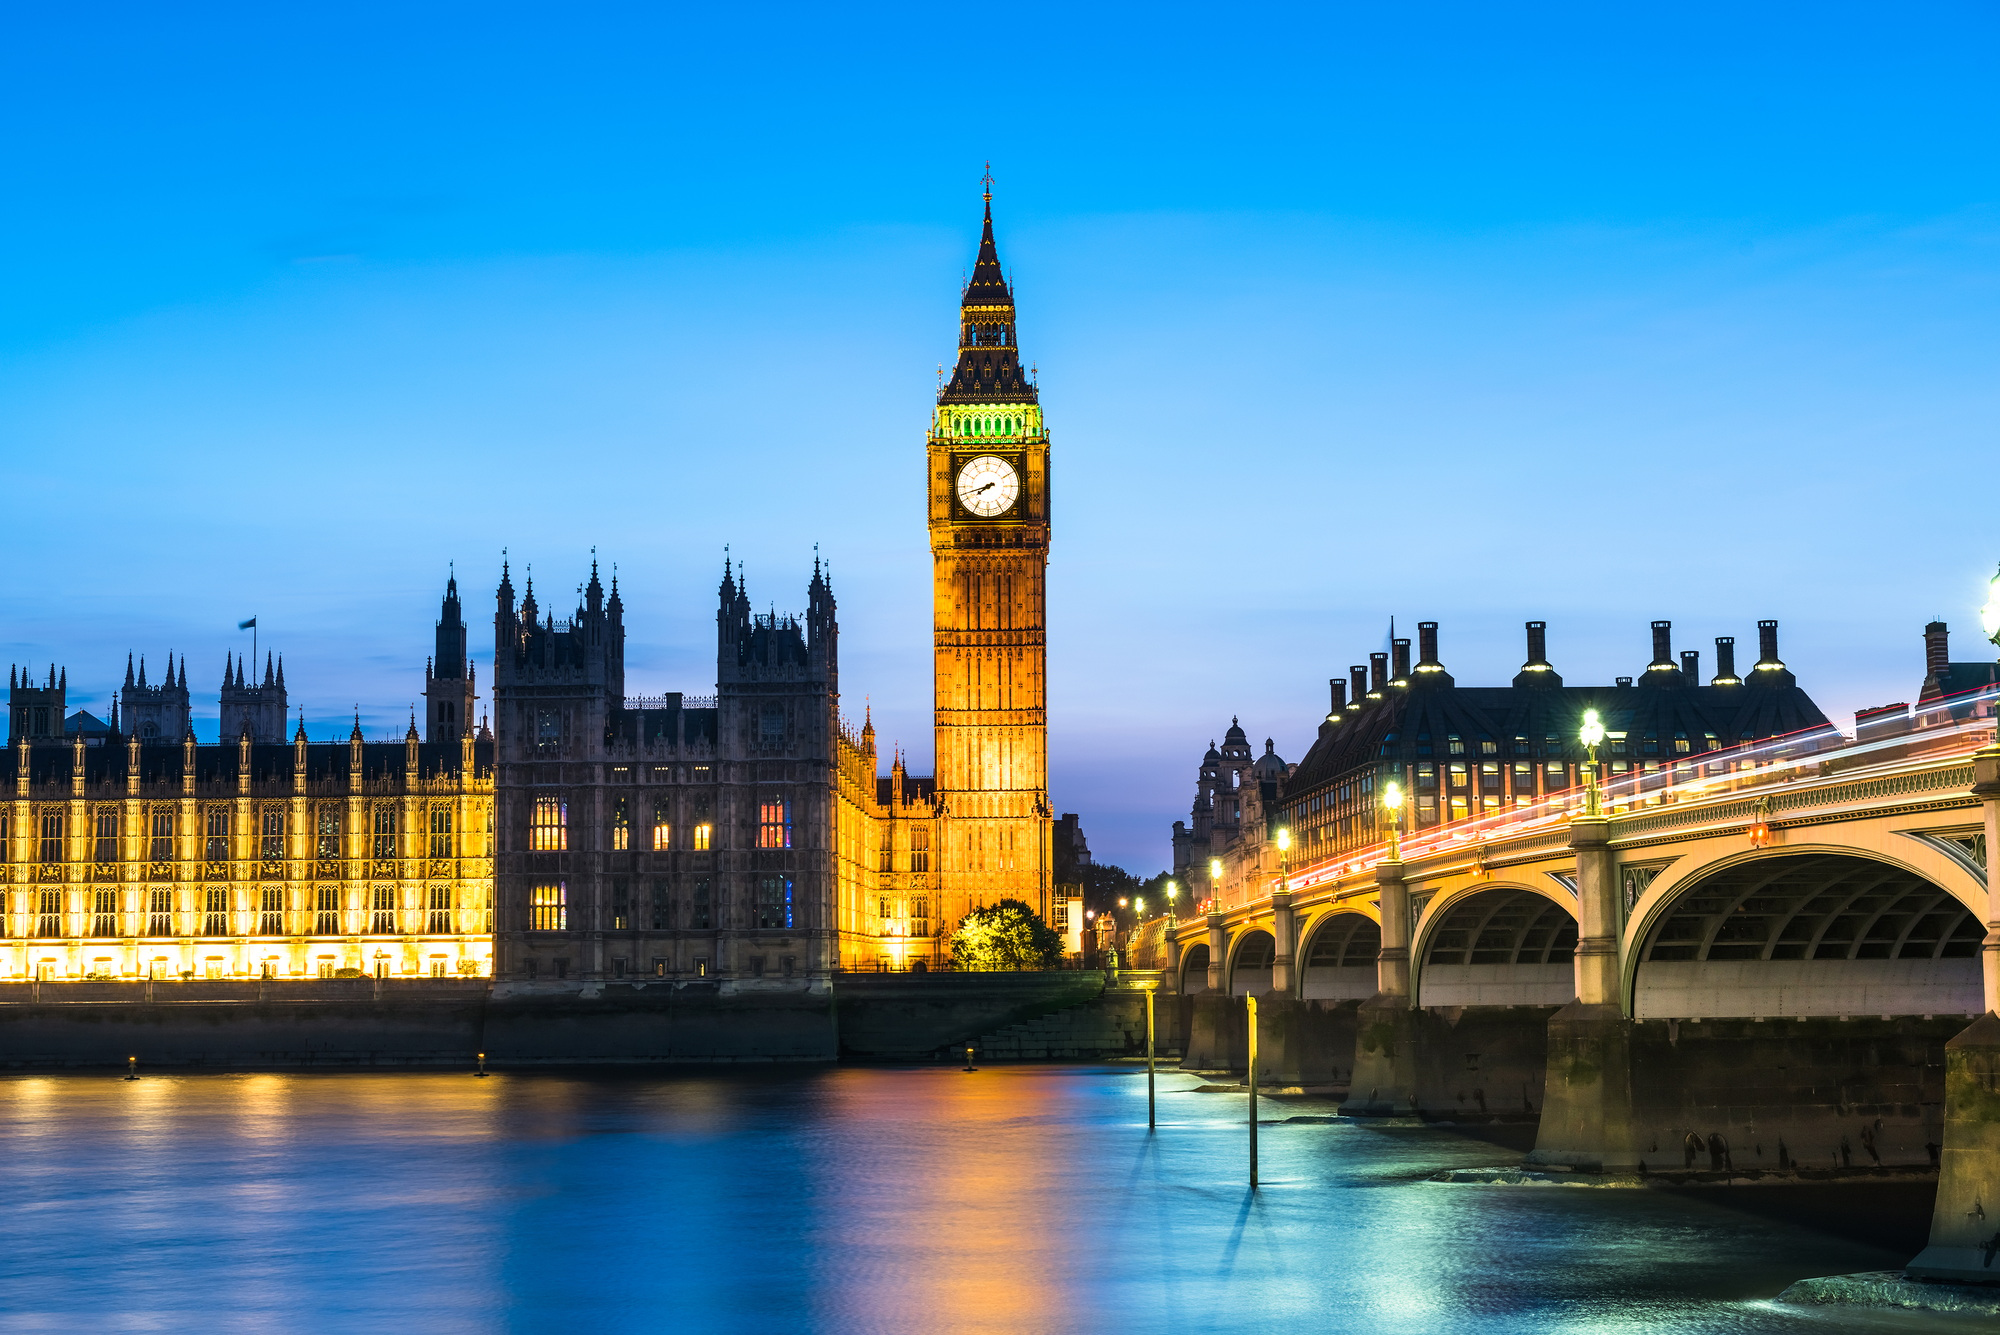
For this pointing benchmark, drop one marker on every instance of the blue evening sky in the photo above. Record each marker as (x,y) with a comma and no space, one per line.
(1470,313)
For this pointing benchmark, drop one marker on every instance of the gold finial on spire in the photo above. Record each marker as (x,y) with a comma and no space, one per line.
(987,181)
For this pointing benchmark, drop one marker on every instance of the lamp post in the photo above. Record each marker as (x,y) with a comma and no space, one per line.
(1284,858)
(1591,734)
(1214,878)
(1173,893)
(1989,618)
(1392,802)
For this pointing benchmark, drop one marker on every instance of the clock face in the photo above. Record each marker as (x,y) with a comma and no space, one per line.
(988,485)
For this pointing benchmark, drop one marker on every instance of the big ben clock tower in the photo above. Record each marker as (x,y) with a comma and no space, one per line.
(988,466)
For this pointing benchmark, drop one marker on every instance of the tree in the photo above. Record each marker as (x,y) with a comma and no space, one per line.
(1006,935)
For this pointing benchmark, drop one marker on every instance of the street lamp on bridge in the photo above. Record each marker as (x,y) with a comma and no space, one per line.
(1284,858)
(1173,893)
(1214,879)
(1590,735)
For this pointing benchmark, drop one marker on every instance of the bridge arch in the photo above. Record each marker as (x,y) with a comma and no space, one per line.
(1496,944)
(1804,931)
(1338,960)
(1250,958)
(1194,968)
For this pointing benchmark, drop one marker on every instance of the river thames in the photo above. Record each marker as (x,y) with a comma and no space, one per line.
(853,1199)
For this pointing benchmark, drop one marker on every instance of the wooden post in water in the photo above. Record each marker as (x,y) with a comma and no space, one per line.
(1149,1059)
(1251,1003)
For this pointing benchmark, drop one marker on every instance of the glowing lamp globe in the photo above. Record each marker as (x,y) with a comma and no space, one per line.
(1593,728)
(1392,796)
(1284,838)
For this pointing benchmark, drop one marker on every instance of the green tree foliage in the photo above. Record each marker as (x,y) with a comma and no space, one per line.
(1006,935)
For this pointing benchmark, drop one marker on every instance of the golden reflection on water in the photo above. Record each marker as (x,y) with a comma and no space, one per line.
(957,1216)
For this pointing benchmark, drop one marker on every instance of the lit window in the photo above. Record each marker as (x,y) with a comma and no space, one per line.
(548,907)
(774,823)
(52,838)
(159,913)
(702,835)
(162,848)
(663,828)
(272,843)
(382,915)
(774,902)
(329,832)
(550,831)
(104,913)
(438,910)
(326,911)
(621,824)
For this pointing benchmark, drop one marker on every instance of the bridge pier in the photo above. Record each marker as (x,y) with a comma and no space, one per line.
(1387,1053)
(1965,1224)
(1218,1033)
(1587,1094)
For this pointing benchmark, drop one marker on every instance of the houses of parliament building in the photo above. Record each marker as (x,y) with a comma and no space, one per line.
(748,836)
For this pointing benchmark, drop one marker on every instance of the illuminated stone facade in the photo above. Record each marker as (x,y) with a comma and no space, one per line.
(988,467)
(130,858)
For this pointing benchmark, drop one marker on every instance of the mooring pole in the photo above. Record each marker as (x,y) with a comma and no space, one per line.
(1149,1059)
(1251,1003)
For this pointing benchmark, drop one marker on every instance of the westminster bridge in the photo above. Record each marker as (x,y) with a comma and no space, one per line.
(1783,956)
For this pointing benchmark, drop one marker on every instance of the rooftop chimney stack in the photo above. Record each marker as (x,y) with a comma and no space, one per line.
(1378,674)
(1357,685)
(1536,671)
(1691,664)
(1725,662)
(1937,649)
(1401,661)
(1427,643)
(1767,645)
(1663,645)
(1338,690)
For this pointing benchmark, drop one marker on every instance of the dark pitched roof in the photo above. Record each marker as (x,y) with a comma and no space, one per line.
(1957,678)
(1391,729)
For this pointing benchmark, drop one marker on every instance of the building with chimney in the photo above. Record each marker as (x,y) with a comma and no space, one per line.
(1459,751)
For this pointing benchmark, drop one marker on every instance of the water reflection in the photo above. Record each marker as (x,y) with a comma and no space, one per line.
(1014,1199)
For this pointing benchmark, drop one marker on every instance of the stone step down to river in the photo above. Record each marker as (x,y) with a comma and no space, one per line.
(1110,1025)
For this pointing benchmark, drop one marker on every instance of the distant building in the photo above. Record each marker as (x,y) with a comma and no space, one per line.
(1949,693)
(1234,796)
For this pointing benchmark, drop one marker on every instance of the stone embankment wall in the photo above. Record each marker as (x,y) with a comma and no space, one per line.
(447,1022)
(920,1016)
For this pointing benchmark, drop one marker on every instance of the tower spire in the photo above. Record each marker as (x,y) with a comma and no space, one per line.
(989,362)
